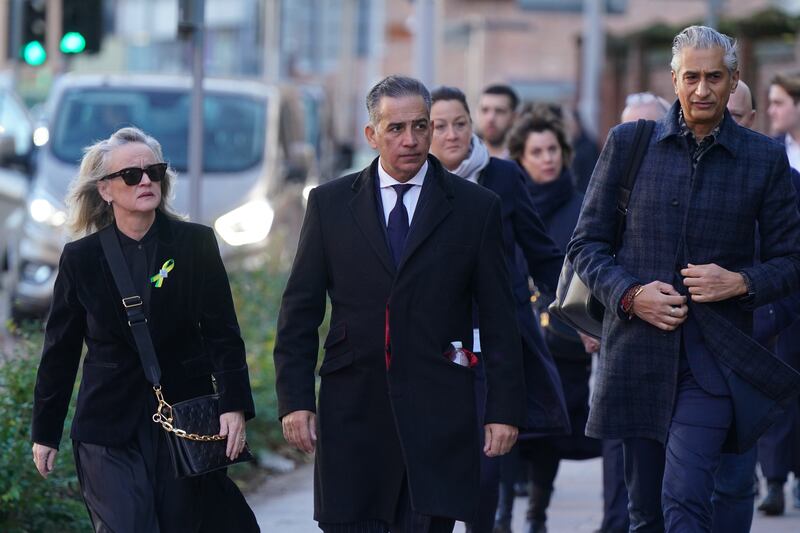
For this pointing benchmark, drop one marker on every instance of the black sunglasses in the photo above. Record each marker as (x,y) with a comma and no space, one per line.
(133,175)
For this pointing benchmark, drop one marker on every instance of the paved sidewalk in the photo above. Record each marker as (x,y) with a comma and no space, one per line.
(285,504)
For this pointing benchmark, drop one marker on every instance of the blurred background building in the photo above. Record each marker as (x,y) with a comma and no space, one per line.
(345,45)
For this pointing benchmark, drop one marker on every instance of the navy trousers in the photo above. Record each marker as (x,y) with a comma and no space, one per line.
(734,492)
(682,502)
(699,427)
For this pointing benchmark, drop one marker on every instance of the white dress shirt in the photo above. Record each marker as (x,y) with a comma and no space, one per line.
(389,196)
(793,152)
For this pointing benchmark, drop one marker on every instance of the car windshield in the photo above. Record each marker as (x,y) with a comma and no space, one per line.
(234,128)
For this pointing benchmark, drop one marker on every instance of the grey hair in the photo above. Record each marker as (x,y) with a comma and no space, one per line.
(87,210)
(395,87)
(646,98)
(703,37)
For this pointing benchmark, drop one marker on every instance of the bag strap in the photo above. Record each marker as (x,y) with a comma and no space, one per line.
(132,304)
(641,138)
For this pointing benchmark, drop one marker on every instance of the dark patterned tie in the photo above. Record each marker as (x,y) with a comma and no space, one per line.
(397,227)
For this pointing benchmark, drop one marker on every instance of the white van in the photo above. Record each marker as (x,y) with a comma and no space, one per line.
(247,161)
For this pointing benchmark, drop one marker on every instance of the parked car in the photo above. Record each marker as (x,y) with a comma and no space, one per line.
(246,163)
(15,152)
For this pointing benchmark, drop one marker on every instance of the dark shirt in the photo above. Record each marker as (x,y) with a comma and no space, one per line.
(697,149)
(140,258)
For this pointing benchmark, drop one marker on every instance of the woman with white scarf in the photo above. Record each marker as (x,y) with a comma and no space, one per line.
(529,252)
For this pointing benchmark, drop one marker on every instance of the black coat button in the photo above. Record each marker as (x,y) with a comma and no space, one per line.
(675,202)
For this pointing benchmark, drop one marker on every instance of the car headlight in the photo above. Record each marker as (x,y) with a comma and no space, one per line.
(247,224)
(41,136)
(44,212)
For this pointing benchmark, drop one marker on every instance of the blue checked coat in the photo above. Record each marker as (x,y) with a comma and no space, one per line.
(742,182)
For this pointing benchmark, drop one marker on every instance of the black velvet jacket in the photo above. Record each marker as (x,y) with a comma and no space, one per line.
(192,322)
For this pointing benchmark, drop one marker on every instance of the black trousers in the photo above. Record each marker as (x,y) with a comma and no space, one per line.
(615,494)
(406,521)
(133,488)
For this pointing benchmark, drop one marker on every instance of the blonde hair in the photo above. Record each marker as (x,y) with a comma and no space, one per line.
(88,212)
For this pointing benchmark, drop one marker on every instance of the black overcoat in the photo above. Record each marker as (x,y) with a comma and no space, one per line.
(417,419)
(192,323)
(742,183)
(525,238)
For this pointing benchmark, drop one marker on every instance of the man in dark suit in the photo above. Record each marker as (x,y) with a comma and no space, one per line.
(678,364)
(402,249)
(779,448)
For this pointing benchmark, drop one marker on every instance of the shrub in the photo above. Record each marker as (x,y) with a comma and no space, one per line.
(29,503)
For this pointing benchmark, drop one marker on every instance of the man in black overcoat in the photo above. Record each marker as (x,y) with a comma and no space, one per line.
(403,249)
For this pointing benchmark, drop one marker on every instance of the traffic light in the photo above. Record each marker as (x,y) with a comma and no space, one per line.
(82,24)
(34,29)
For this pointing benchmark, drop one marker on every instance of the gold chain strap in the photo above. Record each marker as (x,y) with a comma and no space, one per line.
(166,421)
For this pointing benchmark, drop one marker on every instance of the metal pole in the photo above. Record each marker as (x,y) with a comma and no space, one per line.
(714,11)
(5,22)
(272,40)
(343,111)
(52,43)
(424,28)
(373,70)
(196,117)
(593,56)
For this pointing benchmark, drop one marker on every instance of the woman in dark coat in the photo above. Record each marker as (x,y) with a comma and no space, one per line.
(539,145)
(124,467)
(463,154)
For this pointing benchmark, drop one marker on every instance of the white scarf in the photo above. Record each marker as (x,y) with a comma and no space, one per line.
(476,161)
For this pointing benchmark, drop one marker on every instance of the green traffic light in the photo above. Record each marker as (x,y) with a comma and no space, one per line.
(33,53)
(73,43)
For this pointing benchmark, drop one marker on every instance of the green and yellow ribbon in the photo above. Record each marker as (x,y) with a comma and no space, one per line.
(163,273)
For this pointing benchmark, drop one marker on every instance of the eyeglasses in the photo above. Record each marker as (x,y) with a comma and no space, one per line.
(133,175)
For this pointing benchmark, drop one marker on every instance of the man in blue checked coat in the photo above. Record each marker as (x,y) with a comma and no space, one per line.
(680,378)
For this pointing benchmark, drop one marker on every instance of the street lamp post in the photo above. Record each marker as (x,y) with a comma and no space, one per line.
(192,24)
(593,56)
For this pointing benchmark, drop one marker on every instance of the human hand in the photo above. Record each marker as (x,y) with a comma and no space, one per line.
(44,457)
(232,425)
(590,344)
(300,430)
(499,439)
(660,305)
(712,283)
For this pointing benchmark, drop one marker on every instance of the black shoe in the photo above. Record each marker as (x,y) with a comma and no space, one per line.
(501,528)
(537,526)
(796,493)
(773,503)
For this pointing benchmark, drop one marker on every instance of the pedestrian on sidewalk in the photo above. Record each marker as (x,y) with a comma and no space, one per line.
(779,448)
(497,111)
(462,152)
(540,146)
(124,465)
(678,365)
(402,249)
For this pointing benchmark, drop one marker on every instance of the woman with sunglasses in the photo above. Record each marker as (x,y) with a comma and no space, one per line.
(124,467)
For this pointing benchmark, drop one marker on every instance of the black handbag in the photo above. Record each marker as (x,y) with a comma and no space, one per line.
(192,426)
(574,303)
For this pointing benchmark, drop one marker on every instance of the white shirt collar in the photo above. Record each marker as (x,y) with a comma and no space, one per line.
(386,180)
(792,151)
